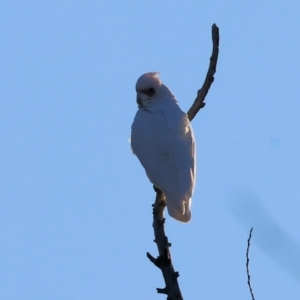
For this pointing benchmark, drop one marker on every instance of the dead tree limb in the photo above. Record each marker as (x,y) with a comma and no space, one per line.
(209,79)
(164,260)
(247,265)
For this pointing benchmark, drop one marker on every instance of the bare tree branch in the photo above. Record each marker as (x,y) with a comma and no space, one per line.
(199,101)
(164,260)
(247,264)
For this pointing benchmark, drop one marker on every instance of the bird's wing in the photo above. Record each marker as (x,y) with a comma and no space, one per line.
(181,150)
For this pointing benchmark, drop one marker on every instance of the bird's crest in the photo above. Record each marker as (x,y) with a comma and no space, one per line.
(148,80)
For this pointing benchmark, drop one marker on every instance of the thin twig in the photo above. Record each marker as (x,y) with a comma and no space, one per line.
(247,264)
(199,101)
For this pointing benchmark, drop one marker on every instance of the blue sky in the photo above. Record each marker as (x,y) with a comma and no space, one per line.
(75,209)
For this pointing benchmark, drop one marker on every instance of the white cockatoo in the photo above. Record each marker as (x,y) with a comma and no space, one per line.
(163,140)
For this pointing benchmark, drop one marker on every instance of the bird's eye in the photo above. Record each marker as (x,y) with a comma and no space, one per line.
(149,92)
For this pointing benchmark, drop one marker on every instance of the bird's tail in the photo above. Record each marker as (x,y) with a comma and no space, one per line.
(180,212)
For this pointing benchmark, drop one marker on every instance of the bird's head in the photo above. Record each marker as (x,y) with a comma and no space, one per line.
(147,88)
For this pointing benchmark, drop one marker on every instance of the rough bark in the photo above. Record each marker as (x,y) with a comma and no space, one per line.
(164,260)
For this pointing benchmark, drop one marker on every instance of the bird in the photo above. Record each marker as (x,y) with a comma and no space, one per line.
(162,139)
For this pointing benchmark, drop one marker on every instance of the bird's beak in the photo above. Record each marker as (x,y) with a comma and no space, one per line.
(138,101)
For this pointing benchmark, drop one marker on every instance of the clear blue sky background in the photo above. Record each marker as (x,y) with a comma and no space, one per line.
(75,204)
